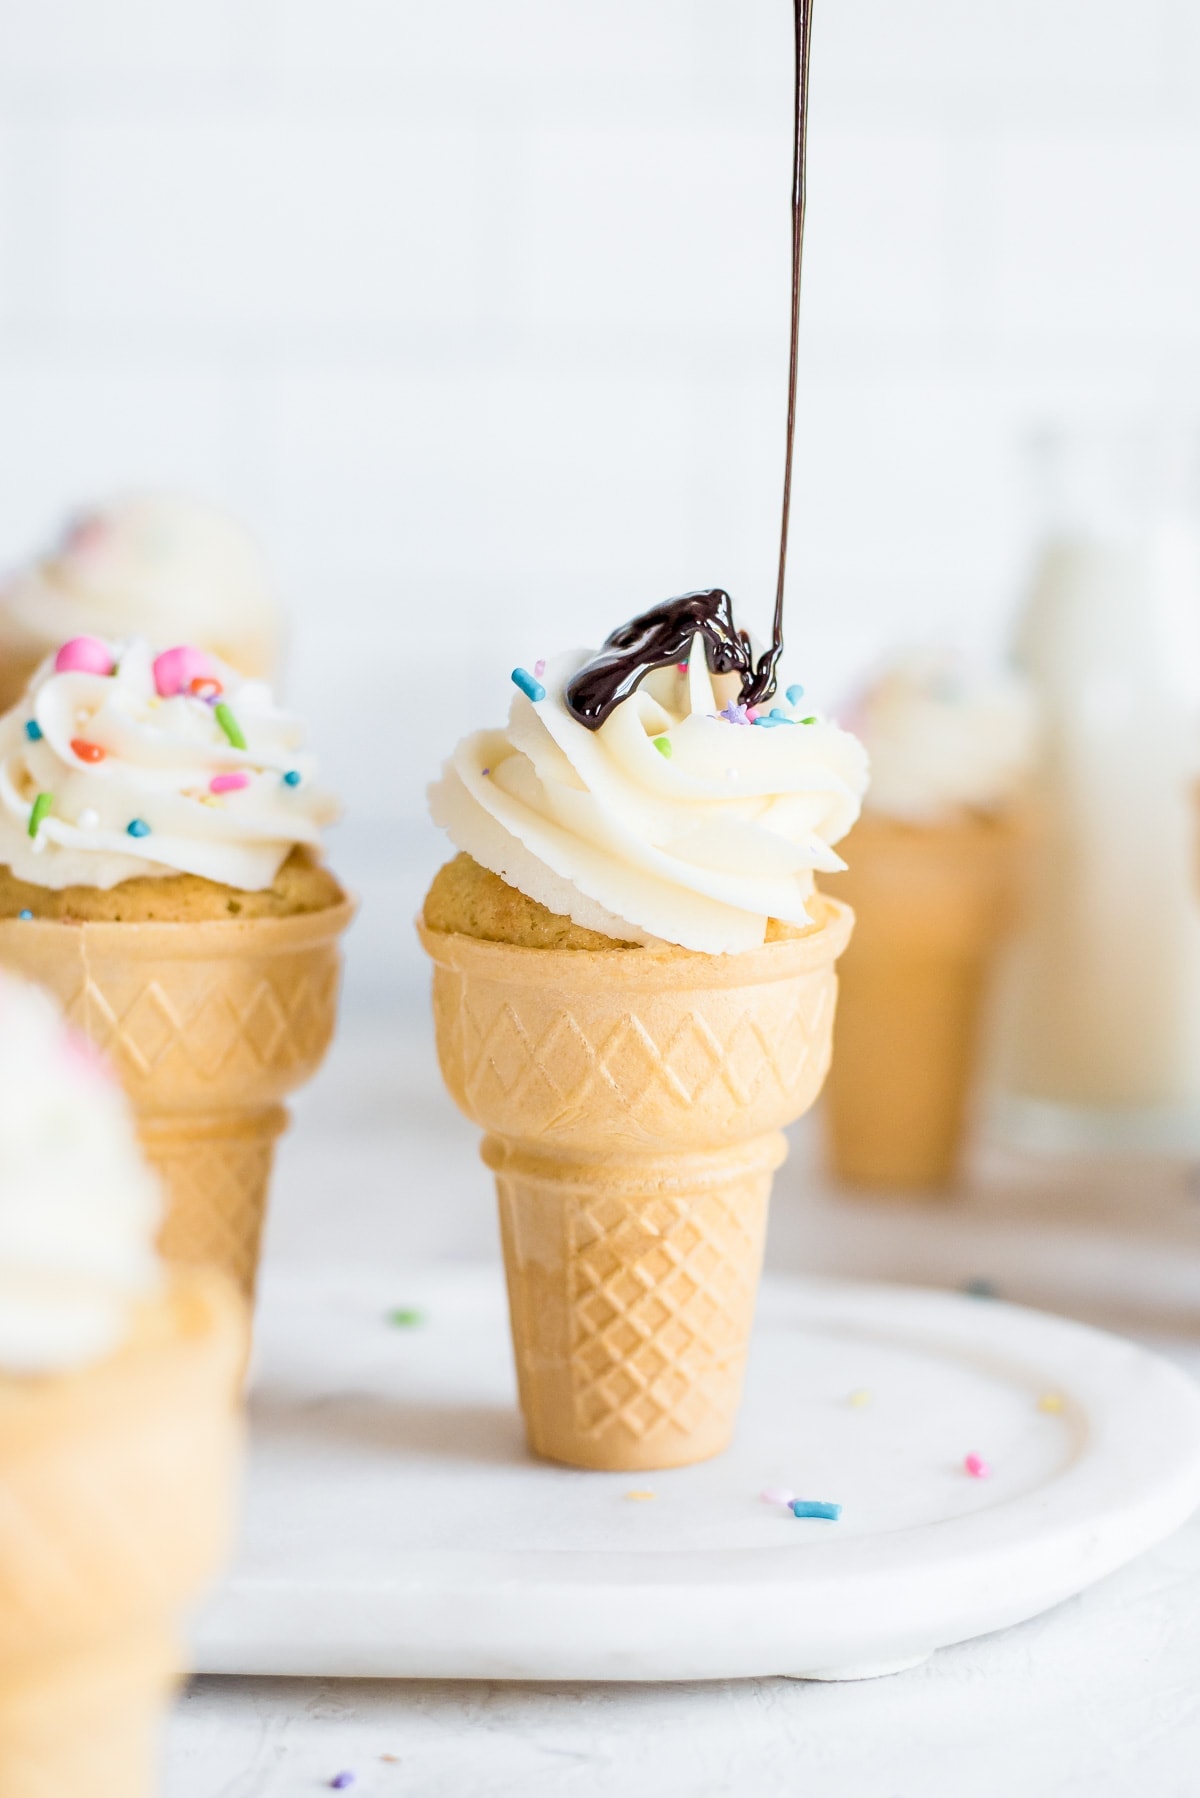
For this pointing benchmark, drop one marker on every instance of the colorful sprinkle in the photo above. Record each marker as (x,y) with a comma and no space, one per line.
(41,809)
(640,1497)
(292,778)
(811,1507)
(780,716)
(1052,1403)
(177,670)
(532,689)
(407,1317)
(770,723)
(229,725)
(734,713)
(33,731)
(858,1401)
(794,695)
(977,1467)
(228,783)
(539,668)
(137,827)
(778,1495)
(981,1289)
(485,772)
(663,746)
(87,752)
(811,720)
(341,1780)
(206,687)
(25,916)
(84,655)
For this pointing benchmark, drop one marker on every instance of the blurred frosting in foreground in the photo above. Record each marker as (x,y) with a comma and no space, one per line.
(943,739)
(151,565)
(685,818)
(120,763)
(78,1208)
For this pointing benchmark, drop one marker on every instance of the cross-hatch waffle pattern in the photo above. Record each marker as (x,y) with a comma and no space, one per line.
(216,1184)
(723,1063)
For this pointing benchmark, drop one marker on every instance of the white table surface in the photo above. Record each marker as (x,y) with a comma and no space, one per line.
(1101,1696)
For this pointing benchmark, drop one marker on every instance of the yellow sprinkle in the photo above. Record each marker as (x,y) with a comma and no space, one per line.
(210,799)
(858,1400)
(639,1496)
(1052,1402)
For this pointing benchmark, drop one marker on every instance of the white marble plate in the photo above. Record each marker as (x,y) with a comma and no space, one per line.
(395,1525)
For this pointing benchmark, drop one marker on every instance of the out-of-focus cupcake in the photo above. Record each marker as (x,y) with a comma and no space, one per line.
(118,1427)
(160,871)
(159,566)
(931,874)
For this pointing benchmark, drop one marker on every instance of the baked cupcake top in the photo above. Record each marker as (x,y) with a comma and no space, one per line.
(644,800)
(120,763)
(78,1207)
(158,565)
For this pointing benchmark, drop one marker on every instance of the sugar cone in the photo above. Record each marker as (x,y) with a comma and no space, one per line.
(115,1508)
(632,1105)
(209,1027)
(931,903)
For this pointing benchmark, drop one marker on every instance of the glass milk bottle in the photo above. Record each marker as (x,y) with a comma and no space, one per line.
(1103,991)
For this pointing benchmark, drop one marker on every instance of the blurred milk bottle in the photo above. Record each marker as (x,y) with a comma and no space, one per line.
(1103,1001)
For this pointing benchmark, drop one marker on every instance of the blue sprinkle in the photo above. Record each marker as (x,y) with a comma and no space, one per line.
(769,723)
(810,1507)
(779,715)
(138,828)
(532,689)
(340,1781)
(25,916)
(292,778)
(795,695)
(33,731)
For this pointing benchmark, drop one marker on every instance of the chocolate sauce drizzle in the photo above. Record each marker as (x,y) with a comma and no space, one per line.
(664,634)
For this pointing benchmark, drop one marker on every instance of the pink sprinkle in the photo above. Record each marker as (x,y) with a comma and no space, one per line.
(777,1495)
(84,655)
(539,668)
(175,669)
(682,667)
(977,1467)
(228,783)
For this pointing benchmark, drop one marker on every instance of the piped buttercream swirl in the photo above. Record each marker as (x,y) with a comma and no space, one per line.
(679,820)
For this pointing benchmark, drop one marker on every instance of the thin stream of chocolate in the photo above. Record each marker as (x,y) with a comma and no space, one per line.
(663,635)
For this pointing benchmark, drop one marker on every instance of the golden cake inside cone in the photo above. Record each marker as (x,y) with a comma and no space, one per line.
(118,1424)
(631,1008)
(159,827)
(117,1482)
(931,903)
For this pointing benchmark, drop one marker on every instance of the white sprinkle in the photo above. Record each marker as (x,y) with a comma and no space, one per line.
(89,820)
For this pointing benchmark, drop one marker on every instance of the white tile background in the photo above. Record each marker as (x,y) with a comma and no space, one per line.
(476,310)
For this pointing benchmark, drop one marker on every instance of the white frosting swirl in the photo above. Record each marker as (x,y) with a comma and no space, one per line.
(944,739)
(158,759)
(670,822)
(78,1207)
(154,565)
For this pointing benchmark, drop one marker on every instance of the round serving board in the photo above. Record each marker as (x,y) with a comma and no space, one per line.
(396,1526)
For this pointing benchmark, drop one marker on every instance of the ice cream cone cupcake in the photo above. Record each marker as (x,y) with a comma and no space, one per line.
(152,565)
(931,876)
(633,992)
(118,1428)
(159,871)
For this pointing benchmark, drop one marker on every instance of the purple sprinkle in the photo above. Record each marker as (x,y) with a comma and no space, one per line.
(340,1781)
(539,668)
(734,714)
(486,772)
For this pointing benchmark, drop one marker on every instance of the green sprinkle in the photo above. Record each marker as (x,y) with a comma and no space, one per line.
(229,725)
(808,721)
(41,809)
(406,1318)
(663,746)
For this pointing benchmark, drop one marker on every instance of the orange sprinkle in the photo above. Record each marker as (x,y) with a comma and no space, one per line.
(87,752)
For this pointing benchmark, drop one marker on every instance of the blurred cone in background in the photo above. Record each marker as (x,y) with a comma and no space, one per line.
(159,566)
(931,903)
(209,1027)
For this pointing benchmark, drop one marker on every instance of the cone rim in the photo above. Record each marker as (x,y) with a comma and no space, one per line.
(638,967)
(189,938)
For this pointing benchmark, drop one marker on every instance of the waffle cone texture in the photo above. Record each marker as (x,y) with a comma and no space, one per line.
(116,1488)
(931,903)
(632,1105)
(209,1027)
